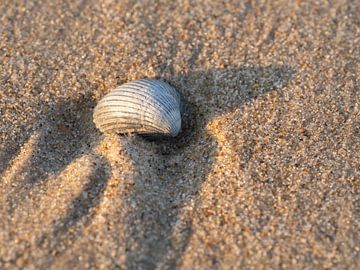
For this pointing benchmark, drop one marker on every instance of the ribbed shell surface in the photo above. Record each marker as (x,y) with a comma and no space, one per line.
(145,106)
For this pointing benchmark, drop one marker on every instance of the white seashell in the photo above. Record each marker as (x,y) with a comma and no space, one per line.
(146,106)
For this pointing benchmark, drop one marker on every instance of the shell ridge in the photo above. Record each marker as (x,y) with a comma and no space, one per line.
(151,117)
(164,98)
(147,98)
(113,114)
(168,95)
(145,106)
(166,89)
(125,124)
(155,108)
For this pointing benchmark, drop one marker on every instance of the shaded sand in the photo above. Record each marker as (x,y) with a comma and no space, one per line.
(264,175)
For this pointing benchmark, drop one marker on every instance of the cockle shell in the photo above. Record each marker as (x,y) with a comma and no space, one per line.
(147,106)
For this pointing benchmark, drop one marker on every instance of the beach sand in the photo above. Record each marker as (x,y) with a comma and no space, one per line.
(265,174)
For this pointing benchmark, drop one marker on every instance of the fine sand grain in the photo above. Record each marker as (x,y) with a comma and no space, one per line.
(265,175)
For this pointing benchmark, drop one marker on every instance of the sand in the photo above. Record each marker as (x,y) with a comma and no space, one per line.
(265,174)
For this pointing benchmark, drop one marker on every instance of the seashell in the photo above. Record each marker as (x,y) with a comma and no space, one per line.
(147,106)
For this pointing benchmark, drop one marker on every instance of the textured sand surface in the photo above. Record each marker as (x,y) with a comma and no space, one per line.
(266,173)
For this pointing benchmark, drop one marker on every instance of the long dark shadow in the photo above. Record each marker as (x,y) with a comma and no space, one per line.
(65,231)
(183,163)
(63,136)
(66,132)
